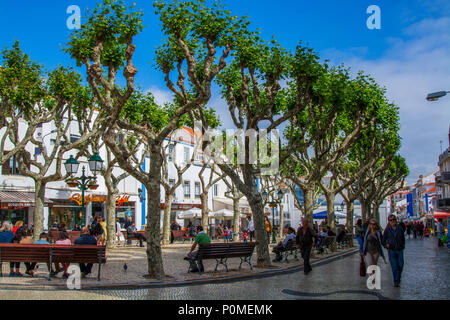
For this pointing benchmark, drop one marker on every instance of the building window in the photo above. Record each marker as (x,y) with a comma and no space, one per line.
(186,155)
(187,189)
(171,152)
(197,189)
(216,190)
(11,167)
(171,184)
(74,138)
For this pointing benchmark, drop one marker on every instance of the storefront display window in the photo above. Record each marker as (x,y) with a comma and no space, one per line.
(14,215)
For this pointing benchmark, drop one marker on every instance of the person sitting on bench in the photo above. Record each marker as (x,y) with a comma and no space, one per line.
(282,245)
(202,238)
(341,236)
(132,233)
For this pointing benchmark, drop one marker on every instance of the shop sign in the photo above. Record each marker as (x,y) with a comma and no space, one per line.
(15,206)
(98,198)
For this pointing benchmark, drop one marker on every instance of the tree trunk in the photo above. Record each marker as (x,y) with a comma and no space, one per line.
(110,208)
(166,220)
(350,212)
(154,254)
(111,219)
(281,224)
(376,212)
(262,248)
(308,203)
(365,209)
(330,210)
(237,215)
(38,217)
(330,213)
(205,211)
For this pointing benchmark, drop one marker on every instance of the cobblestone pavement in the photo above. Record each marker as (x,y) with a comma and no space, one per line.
(113,274)
(425,277)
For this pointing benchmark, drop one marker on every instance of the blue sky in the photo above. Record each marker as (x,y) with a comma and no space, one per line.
(410,55)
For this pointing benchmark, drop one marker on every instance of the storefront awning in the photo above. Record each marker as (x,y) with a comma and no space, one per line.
(441,214)
(17,199)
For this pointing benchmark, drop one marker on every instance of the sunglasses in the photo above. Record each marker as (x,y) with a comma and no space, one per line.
(393,220)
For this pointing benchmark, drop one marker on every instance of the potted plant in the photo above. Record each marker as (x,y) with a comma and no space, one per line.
(93,185)
(72,182)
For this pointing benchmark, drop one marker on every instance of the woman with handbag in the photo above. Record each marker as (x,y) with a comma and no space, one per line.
(372,246)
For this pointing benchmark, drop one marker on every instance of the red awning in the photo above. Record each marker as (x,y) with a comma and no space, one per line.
(441,214)
(17,199)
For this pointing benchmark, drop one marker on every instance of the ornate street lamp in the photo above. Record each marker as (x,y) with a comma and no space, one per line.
(277,198)
(84,182)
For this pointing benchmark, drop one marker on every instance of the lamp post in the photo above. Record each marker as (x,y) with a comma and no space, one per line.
(276,200)
(84,182)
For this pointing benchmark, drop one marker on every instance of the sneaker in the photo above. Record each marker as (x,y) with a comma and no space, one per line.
(65,276)
(30,273)
(18,274)
(396,285)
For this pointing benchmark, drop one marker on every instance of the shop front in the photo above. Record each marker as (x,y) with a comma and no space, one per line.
(17,206)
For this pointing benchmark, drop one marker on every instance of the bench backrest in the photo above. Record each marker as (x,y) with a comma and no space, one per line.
(41,253)
(73,235)
(226,250)
(178,233)
(328,240)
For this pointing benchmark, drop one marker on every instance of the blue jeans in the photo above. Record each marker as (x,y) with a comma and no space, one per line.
(396,261)
(360,242)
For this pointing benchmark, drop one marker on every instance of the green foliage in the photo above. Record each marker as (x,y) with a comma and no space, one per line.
(21,82)
(111,23)
(196,24)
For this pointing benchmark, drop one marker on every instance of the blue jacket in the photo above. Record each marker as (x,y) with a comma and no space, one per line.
(6,237)
(395,239)
(86,239)
(379,238)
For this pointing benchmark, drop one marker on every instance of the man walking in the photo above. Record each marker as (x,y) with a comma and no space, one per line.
(305,240)
(394,241)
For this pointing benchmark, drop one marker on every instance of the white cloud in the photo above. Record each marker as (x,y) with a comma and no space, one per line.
(411,68)
(161,96)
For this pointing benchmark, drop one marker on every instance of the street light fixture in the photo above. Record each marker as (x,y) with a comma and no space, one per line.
(437,95)
(84,182)
(277,198)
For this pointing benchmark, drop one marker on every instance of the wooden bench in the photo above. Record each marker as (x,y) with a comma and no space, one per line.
(290,250)
(221,252)
(129,240)
(180,234)
(53,236)
(12,252)
(328,242)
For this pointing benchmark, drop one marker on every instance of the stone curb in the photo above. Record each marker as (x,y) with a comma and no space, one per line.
(166,284)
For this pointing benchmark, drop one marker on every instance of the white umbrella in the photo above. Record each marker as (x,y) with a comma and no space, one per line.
(340,215)
(190,214)
(225,213)
(193,214)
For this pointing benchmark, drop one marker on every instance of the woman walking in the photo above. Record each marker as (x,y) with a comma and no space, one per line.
(372,247)
(359,232)
(118,231)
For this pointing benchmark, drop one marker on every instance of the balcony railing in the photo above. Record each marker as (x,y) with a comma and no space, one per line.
(438,180)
